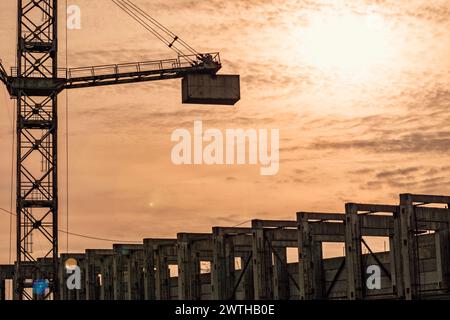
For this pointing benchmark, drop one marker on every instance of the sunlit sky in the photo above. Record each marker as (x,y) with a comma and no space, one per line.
(360,91)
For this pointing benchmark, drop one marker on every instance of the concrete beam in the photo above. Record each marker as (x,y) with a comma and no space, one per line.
(320,216)
(273,224)
(426,198)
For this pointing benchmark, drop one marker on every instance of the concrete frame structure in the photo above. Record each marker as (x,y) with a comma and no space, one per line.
(94,260)
(230,243)
(313,230)
(128,271)
(65,293)
(192,249)
(416,218)
(158,255)
(357,226)
(270,241)
(416,266)
(6,273)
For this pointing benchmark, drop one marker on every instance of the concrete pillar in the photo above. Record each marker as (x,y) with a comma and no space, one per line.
(149,270)
(162,271)
(15,282)
(118,279)
(442,258)
(310,279)
(2,288)
(91,276)
(280,274)
(305,258)
(353,253)
(222,268)
(443,252)
(408,251)
(62,275)
(136,276)
(262,263)
(106,270)
(81,294)
(395,249)
(189,287)
(317,268)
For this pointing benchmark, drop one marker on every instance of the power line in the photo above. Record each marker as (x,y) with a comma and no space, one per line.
(240,224)
(67,141)
(79,234)
(12,120)
(11,186)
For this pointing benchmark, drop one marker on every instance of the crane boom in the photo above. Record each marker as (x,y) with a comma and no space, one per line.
(40,83)
(140,71)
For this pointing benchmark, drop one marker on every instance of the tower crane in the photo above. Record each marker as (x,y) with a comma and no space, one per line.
(35,83)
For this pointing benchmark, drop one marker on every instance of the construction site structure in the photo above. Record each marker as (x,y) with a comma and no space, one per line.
(252,263)
(35,83)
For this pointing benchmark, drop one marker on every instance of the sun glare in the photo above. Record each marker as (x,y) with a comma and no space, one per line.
(347,44)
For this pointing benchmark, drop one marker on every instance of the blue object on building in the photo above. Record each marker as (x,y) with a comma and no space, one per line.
(40,287)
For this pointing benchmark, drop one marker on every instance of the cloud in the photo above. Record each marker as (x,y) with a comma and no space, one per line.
(418,142)
(396,172)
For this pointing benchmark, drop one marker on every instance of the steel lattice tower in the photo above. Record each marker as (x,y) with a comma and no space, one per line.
(36,94)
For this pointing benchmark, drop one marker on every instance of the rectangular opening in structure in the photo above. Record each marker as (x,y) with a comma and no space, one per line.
(9,289)
(238,263)
(205,267)
(173,270)
(333,249)
(377,266)
(292,255)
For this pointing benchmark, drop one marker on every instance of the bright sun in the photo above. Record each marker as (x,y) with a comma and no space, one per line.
(345,44)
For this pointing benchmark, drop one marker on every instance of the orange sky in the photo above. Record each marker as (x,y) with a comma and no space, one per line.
(359,91)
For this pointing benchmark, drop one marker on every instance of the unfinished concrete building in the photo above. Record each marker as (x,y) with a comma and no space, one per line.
(275,259)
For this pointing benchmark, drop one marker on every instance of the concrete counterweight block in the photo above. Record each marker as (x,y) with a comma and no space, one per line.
(211,89)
